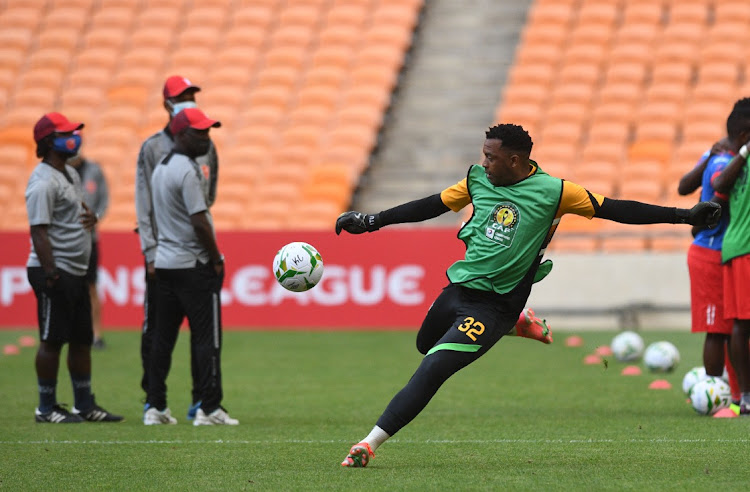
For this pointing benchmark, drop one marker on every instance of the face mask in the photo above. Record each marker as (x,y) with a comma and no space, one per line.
(67,145)
(201,147)
(176,108)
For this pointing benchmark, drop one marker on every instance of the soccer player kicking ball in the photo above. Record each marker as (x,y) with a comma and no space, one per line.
(517,208)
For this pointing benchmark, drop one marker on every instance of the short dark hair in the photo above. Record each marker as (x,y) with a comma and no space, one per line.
(43,146)
(739,119)
(514,137)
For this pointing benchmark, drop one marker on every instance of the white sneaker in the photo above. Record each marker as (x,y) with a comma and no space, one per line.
(217,417)
(153,416)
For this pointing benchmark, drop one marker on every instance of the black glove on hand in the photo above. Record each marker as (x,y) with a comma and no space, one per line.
(704,214)
(357,223)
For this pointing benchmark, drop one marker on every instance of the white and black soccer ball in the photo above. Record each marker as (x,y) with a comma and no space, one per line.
(298,267)
(691,377)
(661,357)
(710,395)
(627,346)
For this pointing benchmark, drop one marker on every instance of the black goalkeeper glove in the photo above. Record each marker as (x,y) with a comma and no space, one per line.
(357,223)
(703,214)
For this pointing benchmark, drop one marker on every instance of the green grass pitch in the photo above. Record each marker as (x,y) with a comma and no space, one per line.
(526,416)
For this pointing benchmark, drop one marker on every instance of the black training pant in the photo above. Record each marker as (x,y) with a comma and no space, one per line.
(147,331)
(195,293)
(461,326)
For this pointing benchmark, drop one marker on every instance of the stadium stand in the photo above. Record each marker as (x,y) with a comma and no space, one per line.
(652,82)
(299,86)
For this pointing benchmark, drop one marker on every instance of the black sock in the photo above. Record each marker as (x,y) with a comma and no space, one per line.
(47,394)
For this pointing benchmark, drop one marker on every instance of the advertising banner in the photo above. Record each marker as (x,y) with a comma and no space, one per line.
(382,280)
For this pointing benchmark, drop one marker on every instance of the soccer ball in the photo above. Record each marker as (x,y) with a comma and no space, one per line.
(710,395)
(691,377)
(627,346)
(298,267)
(661,357)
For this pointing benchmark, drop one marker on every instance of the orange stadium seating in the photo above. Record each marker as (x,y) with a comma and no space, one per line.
(301,88)
(652,81)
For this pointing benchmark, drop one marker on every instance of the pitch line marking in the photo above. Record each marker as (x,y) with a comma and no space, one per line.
(394,441)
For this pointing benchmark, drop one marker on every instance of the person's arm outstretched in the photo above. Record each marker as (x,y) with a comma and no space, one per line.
(414,211)
(704,214)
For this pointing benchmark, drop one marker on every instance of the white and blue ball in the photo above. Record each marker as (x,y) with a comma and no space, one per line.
(627,346)
(661,357)
(710,395)
(691,377)
(298,267)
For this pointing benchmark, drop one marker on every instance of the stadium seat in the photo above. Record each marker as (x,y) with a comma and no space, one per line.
(350,15)
(642,13)
(629,52)
(245,37)
(524,94)
(622,238)
(291,56)
(89,77)
(308,135)
(26,17)
(610,133)
(34,96)
(552,13)
(71,17)
(16,38)
(602,151)
(279,96)
(718,71)
(311,114)
(583,73)
(101,57)
(703,131)
(659,111)
(318,95)
(706,112)
(390,35)
(112,17)
(680,51)
(364,115)
(255,15)
(325,75)
(566,243)
(672,72)
(12,58)
(278,76)
(61,37)
(211,16)
(538,73)
(688,13)
(544,35)
(632,74)
(113,39)
(573,93)
(651,150)
(373,73)
(205,37)
(666,93)
(293,35)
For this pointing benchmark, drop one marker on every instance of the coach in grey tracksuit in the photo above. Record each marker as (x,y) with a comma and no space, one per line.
(178,94)
(189,272)
(96,197)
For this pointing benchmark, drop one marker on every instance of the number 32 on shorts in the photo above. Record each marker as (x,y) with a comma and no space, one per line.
(472,328)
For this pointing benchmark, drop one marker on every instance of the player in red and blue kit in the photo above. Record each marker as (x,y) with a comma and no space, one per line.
(704,266)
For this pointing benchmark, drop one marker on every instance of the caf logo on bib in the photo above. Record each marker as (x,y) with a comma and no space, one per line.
(502,223)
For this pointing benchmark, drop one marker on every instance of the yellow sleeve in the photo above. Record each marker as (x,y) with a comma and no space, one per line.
(457,196)
(577,200)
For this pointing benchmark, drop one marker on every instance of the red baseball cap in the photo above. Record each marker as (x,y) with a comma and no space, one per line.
(176,85)
(54,122)
(192,118)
